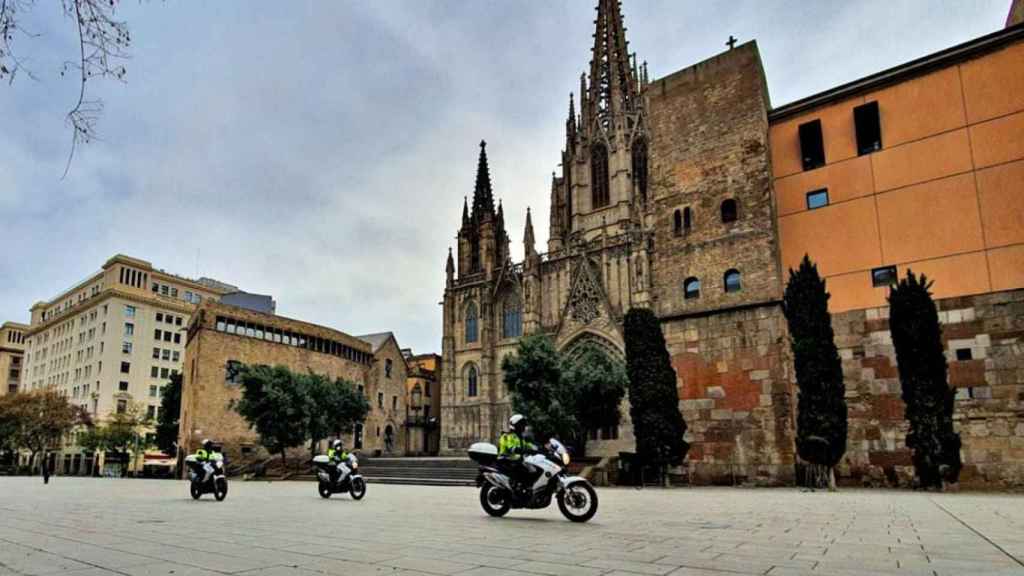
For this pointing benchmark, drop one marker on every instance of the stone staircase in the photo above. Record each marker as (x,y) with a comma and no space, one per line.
(421,471)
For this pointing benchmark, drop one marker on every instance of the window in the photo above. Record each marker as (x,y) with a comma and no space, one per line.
(156,334)
(812,146)
(129,329)
(691,288)
(154,372)
(177,320)
(156,287)
(177,338)
(817,199)
(677,223)
(165,354)
(150,412)
(471,381)
(126,367)
(126,347)
(512,318)
(188,296)
(165,373)
(153,391)
(233,372)
(156,353)
(167,336)
(884,276)
(164,289)
(122,406)
(732,281)
(687,219)
(729,212)
(869,128)
(380,400)
(387,368)
(129,312)
(359,389)
(174,292)
(964,354)
(599,176)
(159,317)
(640,167)
(175,356)
(471,318)
(394,403)
(122,386)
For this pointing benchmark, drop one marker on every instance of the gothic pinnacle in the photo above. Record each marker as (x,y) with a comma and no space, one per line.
(483,198)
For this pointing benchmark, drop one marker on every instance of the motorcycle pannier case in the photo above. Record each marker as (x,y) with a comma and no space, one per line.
(483,453)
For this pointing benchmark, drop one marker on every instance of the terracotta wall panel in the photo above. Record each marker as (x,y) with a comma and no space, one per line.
(1007,267)
(929,220)
(840,238)
(923,160)
(1001,192)
(999,140)
(921,107)
(837,131)
(953,275)
(854,291)
(845,180)
(994,84)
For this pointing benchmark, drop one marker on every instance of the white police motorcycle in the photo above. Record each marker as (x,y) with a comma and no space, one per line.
(199,483)
(547,478)
(338,481)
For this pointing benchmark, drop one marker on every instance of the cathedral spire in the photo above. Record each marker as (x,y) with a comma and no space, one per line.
(528,240)
(483,198)
(570,123)
(449,268)
(613,87)
(465,212)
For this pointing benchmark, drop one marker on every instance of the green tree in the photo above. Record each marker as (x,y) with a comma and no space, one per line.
(653,399)
(9,424)
(917,337)
(534,379)
(121,433)
(42,419)
(168,418)
(334,407)
(599,382)
(275,403)
(821,412)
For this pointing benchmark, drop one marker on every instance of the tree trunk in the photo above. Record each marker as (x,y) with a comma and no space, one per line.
(831,479)
(284,459)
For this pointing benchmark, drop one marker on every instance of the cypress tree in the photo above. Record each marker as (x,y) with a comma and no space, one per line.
(821,423)
(917,337)
(653,399)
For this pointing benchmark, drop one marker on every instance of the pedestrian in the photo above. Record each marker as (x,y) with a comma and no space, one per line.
(46,469)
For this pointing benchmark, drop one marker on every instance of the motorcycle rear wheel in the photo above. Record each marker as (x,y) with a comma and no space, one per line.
(220,489)
(195,490)
(493,502)
(324,489)
(578,502)
(357,488)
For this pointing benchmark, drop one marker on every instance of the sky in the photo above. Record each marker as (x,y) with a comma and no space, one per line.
(320,151)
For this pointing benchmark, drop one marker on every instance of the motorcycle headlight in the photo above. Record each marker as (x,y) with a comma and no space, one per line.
(565,458)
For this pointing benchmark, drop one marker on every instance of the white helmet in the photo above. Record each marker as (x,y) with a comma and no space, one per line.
(517,422)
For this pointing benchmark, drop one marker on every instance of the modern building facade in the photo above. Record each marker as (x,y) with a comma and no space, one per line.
(12,356)
(691,195)
(111,342)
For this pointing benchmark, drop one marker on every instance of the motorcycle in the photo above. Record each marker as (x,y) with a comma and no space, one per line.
(576,498)
(331,481)
(199,484)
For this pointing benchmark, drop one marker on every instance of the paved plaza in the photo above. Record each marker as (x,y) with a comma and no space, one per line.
(101,527)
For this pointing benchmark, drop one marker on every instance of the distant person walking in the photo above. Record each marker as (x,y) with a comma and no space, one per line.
(46,469)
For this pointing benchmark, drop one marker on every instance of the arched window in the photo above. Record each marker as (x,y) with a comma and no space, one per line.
(729,210)
(512,318)
(732,281)
(599,176)
(677,223)
(640,167)
(471,319)
(687,219)
(691,288)
(471,381)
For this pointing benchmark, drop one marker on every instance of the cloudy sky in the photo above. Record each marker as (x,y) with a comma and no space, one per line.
(319,151)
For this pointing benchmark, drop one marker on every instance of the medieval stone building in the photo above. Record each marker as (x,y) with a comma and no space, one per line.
(690,195)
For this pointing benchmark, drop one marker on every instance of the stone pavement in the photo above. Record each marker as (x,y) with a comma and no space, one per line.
(102,527)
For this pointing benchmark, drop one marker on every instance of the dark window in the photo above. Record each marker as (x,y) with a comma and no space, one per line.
(471,383)
(156,334)
(640,167)
(380,400)
(177,338)
(884,276)
(729,213)
(732,281)
(963,354)
(154,371)
(122,406)
(687,219)
(599,176)
(177,321)
(394,403)
(126,367)
(471,318)
(869,128)
(167,336)
(159,317)
(122,386)
(387,368)
(233,372)
(677,223)
(512,318)
(691,288)
(817,199)
(812,146)
(150,412)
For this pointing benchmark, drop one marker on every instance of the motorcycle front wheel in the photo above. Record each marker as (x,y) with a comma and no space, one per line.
(357,489)
(195,490)
(220,489)
(493,501)
(578,502)
(324,489)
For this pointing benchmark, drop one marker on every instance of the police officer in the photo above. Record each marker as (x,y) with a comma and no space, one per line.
(513,445)
(337,455)
(204,454)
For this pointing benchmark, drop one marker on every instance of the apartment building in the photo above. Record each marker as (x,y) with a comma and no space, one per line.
(12,352)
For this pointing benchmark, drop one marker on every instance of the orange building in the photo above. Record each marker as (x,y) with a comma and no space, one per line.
(918,167)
